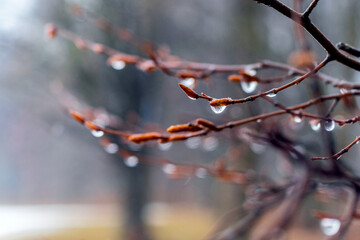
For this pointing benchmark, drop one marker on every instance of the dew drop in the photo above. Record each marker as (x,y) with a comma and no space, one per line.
(169,168)
(201,172)
(111,148)
(271,95)
(329,125)
(248,87)
(191,98)
(118,65)
(251,72)
(297,119)
(165,146)
(210,144)
(357,142)
(131,161)
(218,109)
(315,125)
(330,226)
(189,82)
(97,133)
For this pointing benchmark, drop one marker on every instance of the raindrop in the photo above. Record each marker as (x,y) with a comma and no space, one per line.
(169,168)
(111,148)
(131,161)
(315,125)
(248,87)
(297,119)
(210,143)
(193,143)
(189,82)
(97,133)
(271,95)
(329,125)
(165,146)
(118,65)
(191,97)
(218,109)
(330,226)
(258,120)
(201,172)
(357,142)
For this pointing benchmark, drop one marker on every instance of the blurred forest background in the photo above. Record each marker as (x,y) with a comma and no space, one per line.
(49,164)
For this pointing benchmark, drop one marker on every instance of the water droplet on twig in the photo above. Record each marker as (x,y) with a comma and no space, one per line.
(330,226)
(315,125)
(218,109)
(271,95)
(297,119)
(248,87)
(118,65)
(97,133)
(329,125)
(189,82)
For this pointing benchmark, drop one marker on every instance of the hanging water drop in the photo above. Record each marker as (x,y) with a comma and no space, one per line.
(97,133)
(251,72)
(188,82)
(118,65)
(111,148)
(297,119)
(131,161)
(191,97)
(330,226)
(218,109)
(248,87)
(329,125)
(315,125)
(271,95)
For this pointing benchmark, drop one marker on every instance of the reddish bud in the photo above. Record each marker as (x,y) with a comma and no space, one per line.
(80,44)
(77,116)
(92,126)
(98,48)
(302,59)
(221,102)
(143,137)
(206,124)
(191,93)
(146,65)
(179,137)
(184,128)
(235,78)
(51,30)
(186,74)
